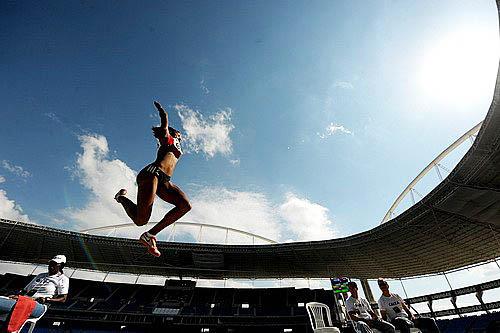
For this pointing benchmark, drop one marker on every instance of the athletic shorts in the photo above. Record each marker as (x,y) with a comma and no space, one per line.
(153,169)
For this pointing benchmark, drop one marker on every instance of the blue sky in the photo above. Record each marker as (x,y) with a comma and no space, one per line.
(303,120)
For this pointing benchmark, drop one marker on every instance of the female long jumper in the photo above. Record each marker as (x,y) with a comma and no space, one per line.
(154,179)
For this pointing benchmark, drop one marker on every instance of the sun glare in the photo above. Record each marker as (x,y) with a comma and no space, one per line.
(460,68)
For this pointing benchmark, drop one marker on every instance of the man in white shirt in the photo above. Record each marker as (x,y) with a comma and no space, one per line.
(362,314)
(48,287)
(394,309)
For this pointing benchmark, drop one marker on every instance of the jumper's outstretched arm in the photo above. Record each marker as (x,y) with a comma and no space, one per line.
(163,115)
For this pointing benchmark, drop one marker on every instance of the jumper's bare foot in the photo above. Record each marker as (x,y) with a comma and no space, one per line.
(149,241)
(120,193)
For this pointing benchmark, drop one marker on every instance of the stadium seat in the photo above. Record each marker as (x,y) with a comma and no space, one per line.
(316,311)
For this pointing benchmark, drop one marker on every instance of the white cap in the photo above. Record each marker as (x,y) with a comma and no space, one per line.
(60,259)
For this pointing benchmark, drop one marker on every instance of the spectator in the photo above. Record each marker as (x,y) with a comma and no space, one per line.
(395,310)
(48,287)
(362,314)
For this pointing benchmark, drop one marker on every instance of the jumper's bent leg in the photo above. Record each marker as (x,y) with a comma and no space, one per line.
(171,193)
(140,213)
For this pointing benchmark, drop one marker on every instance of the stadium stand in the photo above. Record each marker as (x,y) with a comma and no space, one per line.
(110,306)
(486,323)
(177,303)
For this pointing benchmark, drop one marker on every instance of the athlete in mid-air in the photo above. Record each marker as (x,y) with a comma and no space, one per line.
(154,179)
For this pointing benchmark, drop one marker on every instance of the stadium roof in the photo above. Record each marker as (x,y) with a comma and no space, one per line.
(456,224)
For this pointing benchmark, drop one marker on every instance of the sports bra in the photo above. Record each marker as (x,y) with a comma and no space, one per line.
(173,145)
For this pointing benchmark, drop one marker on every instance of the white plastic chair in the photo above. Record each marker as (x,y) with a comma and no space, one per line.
(315,311)
(32,321)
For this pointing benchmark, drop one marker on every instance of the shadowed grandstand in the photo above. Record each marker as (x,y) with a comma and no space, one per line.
(178,304)
(181,305)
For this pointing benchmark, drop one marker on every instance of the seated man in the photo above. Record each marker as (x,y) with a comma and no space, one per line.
(361,312)
(44,288)
(394,309)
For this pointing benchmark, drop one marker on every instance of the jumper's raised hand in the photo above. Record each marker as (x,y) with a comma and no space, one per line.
(163,115)
(158,106)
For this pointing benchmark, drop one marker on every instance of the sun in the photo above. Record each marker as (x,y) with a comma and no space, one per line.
(460,68)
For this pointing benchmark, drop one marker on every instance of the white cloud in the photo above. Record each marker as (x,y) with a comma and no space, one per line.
(247,211)
(235,162)
(296,218)
(52,116)
(204,87)
(95,169)
(10,210)
(331,129)
(253,212)
(305,219)
(209,137)
(15,169)
(343,85)
(2,179)
(103,177)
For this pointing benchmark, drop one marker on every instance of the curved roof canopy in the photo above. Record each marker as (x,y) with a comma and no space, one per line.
(456,224)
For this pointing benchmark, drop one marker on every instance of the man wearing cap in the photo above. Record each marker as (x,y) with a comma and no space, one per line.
(44,288)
